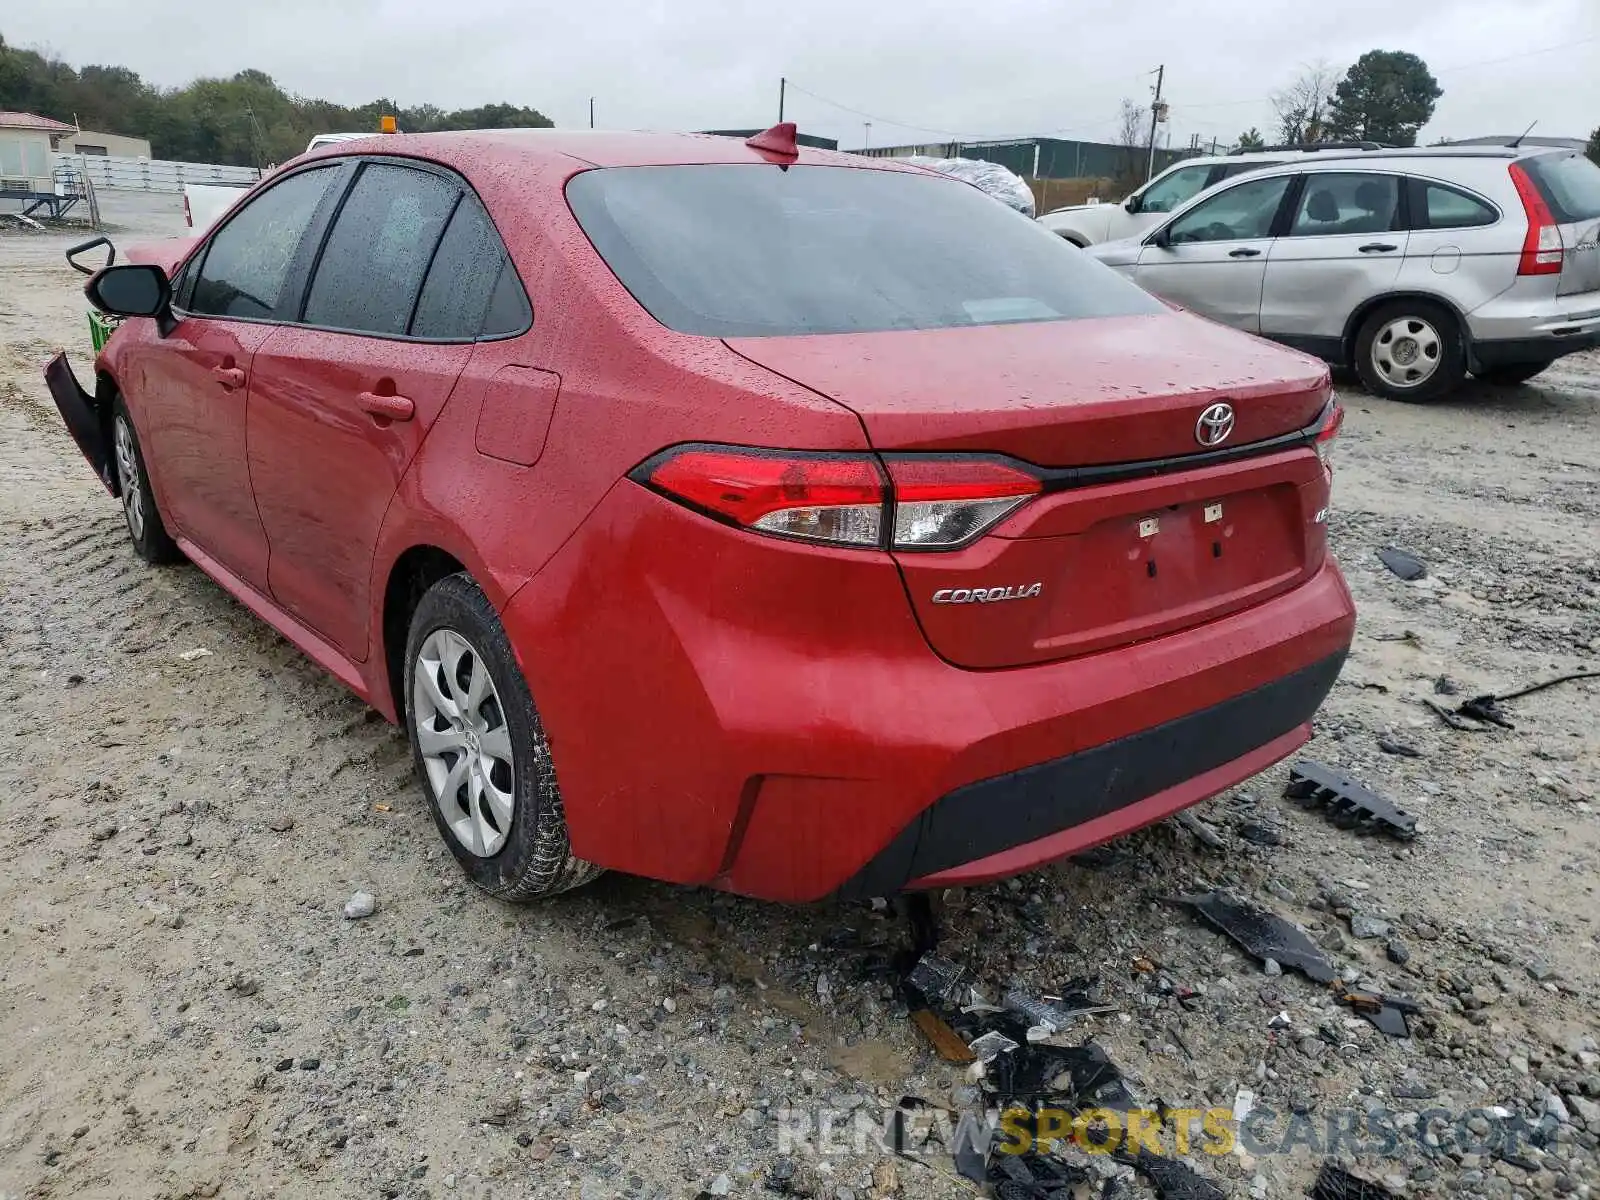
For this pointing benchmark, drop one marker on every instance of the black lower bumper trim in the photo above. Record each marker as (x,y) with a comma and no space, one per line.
(992,815)
(82,418)
(1532,350)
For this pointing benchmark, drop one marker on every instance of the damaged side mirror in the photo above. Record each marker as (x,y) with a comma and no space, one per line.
(131,290)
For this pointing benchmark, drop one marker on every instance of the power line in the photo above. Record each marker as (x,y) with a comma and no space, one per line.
(948,133)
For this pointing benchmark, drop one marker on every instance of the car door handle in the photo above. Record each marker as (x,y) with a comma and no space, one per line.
(1243,252)
(395,408)
(1377,248)
(228,377)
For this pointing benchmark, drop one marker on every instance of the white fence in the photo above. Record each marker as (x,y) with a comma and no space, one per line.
(107,171)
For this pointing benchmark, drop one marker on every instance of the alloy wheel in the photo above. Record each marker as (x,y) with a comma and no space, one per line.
(1406,352)
(461,733)
(128,477)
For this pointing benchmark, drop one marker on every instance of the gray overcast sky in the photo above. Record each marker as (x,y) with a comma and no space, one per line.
(1000,68)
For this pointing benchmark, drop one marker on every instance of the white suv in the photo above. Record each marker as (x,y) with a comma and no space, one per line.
(1090,224)
(1414,266)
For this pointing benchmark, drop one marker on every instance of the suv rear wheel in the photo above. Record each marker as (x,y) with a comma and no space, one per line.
(1510,374)
(1410,350)
(480,751)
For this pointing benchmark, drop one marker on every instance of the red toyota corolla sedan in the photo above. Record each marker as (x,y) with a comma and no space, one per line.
(789,522)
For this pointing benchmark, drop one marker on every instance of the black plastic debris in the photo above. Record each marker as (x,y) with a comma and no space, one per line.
(938,980)
(1171,1179)
(971,1156)
(1400,749)
(1335,1183)
(1035,1177)
(1069,1077)
(1387,1013)
(1407,566)
(1262,934)
(1347,803)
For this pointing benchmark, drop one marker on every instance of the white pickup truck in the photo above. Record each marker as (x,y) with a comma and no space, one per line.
(204,203)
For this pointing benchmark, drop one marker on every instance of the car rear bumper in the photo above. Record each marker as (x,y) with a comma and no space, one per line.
(714,720)
(1014,822)
(1511,351)
(1522,326)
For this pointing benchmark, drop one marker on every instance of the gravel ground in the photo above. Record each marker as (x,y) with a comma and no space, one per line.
(186,1011)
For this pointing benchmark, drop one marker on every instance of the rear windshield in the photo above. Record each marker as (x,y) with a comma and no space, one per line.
(1570,183)
(750,251)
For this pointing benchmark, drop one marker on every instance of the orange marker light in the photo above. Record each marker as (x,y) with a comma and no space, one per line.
(386,124)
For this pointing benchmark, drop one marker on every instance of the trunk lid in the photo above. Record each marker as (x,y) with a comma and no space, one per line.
(1580,265)
(1054,393)
(1083,569)
(1570,185)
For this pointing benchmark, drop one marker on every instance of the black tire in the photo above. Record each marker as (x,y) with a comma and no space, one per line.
(1425,324)
(1510,374)
(535,859)
(146,530)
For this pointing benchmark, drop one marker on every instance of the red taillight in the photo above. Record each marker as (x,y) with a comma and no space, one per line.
(821,498)
(843,499)
(1332,423)
(1541,248)
(942,503)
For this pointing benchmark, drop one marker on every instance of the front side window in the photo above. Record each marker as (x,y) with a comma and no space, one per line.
(1174,188)
(248,260)
(372,266)
(757,250)
(1336,203)
(1242,212)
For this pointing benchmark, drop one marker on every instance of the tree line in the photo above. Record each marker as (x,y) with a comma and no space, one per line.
(246,119)
(1385,96)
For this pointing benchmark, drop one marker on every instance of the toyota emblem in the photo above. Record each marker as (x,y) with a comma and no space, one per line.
(1214,425)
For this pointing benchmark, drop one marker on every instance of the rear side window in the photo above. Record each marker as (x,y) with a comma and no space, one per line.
(462,284)
(248,260)
(1336,203)
(1570,183)
(1435,206)
(747,251)
(374,260)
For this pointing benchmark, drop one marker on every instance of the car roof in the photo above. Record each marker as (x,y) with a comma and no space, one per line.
(593,148)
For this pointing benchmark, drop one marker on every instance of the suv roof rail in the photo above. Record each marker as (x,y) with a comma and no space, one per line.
(1315,146)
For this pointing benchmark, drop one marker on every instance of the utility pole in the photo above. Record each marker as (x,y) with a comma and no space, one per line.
(783,86)
(866,137)
(1155,116)
(591,112)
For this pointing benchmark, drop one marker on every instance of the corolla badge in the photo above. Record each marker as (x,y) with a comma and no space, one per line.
(1214,425)
(1023,591)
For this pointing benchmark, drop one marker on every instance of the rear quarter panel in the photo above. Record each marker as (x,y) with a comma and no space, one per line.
(1467,268)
